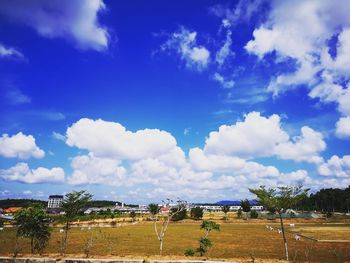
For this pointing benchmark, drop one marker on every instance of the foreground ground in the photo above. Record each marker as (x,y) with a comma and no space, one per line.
(235,240)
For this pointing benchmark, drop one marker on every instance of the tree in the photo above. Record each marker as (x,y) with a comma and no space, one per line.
(245,207)
(204,242)
(33,223)
(280,199)
(197,213)
(208,226)
(178,216)
(132,215)
(154,210)
(225,209)
(239,213)
(204,245)
(72,205)
(254,214)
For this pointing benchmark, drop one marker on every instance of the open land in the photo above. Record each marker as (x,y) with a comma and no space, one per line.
(237,239)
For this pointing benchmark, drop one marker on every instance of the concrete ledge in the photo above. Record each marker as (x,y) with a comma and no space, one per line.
(188,261)
(67,260)
(95,260)
(27,260)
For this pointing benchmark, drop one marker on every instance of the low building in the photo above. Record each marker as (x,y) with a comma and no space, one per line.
(10,210)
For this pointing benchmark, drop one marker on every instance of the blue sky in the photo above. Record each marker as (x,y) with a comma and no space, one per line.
(141,100)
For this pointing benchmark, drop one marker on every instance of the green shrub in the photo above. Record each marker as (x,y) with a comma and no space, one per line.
(189,252)
(197,213)
(254,214)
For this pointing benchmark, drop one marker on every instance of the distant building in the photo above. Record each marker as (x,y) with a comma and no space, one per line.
(55,202)
(11,210)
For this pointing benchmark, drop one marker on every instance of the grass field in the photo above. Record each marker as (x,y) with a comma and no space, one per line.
(235,240)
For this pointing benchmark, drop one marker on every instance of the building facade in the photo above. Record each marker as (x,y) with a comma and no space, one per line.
(55,202)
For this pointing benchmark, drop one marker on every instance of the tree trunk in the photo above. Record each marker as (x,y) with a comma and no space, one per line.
(161,247)
(32,245)
(65,238)
(284,237)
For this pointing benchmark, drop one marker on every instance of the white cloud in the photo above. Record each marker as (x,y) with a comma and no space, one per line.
(259,136)
(27,192)
(58,136)
(15,96)
(232,164)
(225,51)
(305,147)
(343,127)
(152,160)
(10,52)
(22,173)
(20,146)
(242,12)
(5,193)
(112,140)
(184,43)
(300,31)
(88,169)
(75,21)
(255,136)
(227,84)
(336,167)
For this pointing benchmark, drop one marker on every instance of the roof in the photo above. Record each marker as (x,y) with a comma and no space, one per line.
(12,209)
(55,196)
(236,202)
(164,209)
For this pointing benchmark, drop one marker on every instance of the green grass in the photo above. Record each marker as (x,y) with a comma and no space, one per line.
(235,240)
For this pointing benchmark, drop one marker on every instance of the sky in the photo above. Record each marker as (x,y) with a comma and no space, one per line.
(138,101)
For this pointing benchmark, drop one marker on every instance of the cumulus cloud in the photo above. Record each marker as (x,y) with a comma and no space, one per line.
(76,21)
(22,173)
(112,140)
(300,31)
(343,127)
(305,147)
(336,167)
(10,52)
(255,136)
(20,146)
(259,136)
(184,43)
(88,169)
(151,158)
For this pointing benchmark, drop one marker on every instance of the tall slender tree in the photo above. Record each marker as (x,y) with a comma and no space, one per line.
(154,209)
(280,199)
(72,205)
(225,209)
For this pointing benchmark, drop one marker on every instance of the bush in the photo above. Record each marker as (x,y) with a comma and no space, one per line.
(239,213)
(189,252)
(178,216)
(204,245)
(197,213)
(254,214)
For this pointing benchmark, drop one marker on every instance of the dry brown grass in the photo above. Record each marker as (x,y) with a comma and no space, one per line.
(235,240)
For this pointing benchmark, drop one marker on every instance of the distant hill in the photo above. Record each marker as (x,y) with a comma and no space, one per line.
(6,203)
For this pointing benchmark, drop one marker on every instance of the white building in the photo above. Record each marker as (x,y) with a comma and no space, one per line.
(55,202)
